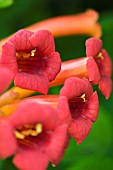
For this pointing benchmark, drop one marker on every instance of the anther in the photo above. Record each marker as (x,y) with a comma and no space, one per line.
(100,56)
(19,135)
(33,52)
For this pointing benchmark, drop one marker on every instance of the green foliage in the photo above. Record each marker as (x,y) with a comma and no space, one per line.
(5,3)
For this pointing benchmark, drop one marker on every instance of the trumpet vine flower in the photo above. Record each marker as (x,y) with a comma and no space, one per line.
(32,59)
(83,105)
(94,49)
(35,135)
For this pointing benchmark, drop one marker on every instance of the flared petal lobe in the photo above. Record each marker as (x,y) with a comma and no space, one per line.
(31,159)
(6,77)
(8,144)
(93,47)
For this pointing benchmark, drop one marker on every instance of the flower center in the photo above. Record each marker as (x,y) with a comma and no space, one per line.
(28,130)
(25,55)
(77,106)
(27,61)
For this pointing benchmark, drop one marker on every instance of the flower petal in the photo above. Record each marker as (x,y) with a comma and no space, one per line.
(93,47)
(44,42)
(31,160)
(105,64)
(31,112)
(21,40)
(75,87)
(91,112)
(36,82)
(105,86)
(8,145)
(8,57)
(52,65)
(6,76)
(80,129)
(93,71)
(63,110)
(58,144)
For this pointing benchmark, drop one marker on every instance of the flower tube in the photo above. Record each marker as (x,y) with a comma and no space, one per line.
(83,23)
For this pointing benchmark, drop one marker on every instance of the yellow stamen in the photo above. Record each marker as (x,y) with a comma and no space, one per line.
(26,55)
(34,133)
(83,97)
(22,54)
(100,56)
(39,128)
(19,135)
(22,132)
(33,52)
(19,55)
(26,132)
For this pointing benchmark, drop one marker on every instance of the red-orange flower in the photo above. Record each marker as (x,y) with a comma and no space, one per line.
(32,59)
(94,49)
(83,105)
(34,134)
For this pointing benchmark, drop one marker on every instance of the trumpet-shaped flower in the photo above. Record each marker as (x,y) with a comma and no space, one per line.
(83,105)
(94,49)
(32,59)
(33,133)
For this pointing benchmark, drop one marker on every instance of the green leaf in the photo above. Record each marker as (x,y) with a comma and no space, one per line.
(5,3)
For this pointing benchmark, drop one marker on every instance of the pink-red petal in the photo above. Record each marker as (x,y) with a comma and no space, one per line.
(31,112)
(44,42)
(91,112)
(93,71)
(8,144)
(63,110)
(8,57)
(75,87)
(36,82)
(93,47)
(105,86)
(6,76)
(59,142)
(52,65)
(32,159)
(80,129)
(105,64)
(21,40)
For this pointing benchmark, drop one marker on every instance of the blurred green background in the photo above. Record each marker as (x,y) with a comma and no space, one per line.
(96,152)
